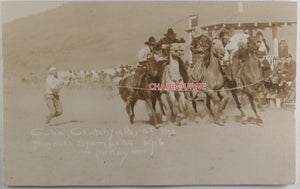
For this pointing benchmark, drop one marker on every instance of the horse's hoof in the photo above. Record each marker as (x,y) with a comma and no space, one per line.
(219,122)
(244,118)
(156,126)
(197,119)
(164,119)
(259,121)
(202,114)
(223,118)
(181,116)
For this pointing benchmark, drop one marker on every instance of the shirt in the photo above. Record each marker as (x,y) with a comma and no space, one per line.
(143,54)
(263,48)
(53,85)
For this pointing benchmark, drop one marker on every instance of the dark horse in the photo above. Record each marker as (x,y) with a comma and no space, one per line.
(249,75)
(151,75)
(207,70)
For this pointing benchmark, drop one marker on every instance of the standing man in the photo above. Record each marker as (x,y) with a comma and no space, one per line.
(263,48)
(53,85)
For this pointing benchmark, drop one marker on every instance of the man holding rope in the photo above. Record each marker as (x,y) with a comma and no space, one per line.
(53,85)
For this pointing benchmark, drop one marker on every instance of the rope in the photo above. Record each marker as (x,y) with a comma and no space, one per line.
(240,87)
(146,89)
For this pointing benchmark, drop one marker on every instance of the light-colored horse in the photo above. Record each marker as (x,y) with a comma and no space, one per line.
(208,70)
(171,74)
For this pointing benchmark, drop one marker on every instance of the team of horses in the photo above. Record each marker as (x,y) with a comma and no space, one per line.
(209,53)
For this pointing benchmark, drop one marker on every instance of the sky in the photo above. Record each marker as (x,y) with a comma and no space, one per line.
(14,10)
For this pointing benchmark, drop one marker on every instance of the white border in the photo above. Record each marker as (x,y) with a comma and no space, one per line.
(297,115)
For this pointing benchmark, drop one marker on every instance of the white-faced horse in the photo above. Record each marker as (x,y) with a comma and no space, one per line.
(171,74)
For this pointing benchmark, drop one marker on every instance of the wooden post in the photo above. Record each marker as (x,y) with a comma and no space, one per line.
(193,22)
(190,42)
(275,41)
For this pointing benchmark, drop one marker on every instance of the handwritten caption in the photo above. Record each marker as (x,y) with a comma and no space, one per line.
(101,143)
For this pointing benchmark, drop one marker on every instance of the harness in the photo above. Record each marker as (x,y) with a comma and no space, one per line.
(174,80)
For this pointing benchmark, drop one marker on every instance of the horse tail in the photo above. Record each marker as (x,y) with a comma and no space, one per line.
(123,90)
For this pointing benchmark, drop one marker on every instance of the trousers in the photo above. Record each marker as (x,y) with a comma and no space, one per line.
(54,105)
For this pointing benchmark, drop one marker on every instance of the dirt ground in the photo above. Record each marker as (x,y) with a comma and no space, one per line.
(93,143)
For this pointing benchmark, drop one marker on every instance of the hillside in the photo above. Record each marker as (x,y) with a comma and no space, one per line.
(81,35)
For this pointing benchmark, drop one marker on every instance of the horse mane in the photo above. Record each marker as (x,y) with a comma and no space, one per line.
(198,71)
(205,41)
(182,70)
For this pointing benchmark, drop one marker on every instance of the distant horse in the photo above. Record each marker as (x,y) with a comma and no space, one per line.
(173,73)
(207,70)
(143,93)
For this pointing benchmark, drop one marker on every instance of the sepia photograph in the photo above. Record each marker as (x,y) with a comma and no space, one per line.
(152,93)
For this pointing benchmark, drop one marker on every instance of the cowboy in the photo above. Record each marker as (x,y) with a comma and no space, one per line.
(53,85)
(165,43)
(170,37)
(143,56)
(223,35)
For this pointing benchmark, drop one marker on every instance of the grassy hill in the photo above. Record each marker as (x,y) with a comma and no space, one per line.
(81,35)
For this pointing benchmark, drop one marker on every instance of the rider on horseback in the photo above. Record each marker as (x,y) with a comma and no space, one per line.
(165,45)
(146,53)
(143,56)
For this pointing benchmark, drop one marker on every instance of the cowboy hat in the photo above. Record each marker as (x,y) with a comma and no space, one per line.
(51,69)
(198,32)
(151,41)
(170,33)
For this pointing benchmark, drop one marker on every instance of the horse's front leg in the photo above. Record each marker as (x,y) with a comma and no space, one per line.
(171,100)
(238,104)
(182,105)
(130,109)
(251,99)
(224,97)
(175,104)
(152,111)
(162,107)
(213,116)
(194,104)
(132,104)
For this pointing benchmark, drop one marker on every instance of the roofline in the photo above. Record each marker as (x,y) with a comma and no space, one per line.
(249,25)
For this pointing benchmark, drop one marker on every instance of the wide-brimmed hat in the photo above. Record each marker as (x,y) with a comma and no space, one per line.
(51,69)
(222,31)
(170,33)
(199,32)
(259,33)
(151,41)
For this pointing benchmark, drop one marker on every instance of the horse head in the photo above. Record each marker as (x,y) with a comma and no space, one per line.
(253,44)
(201,44)
(154,68)
(217,48)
